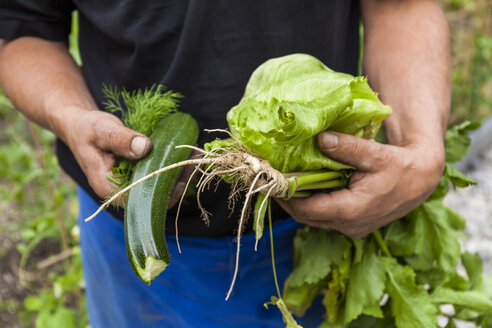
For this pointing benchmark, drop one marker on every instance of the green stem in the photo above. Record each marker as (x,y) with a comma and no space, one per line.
(317,177)
(323,185)
(312,179)
(302,194)
(110,178)
(381,243)
(271,247)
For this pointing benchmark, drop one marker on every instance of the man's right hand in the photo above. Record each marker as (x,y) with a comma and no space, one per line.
(97,139)
(43,81)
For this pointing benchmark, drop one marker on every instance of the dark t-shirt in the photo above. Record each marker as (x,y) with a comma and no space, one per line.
(204,49)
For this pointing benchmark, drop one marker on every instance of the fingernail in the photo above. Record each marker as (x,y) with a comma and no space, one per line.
(329,140)
(138,145)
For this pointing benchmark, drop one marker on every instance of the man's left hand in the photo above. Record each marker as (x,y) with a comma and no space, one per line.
(390,181)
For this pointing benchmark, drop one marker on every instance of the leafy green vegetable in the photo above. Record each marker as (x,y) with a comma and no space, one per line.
(289,100)
(413,260)
(366,288)
(314,253)
(457,141)
(410,304)
(299,299)
(140,110)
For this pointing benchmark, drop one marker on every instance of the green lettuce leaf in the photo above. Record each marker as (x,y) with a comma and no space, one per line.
(289,100)
(410,304)
(315,251)
(473,300)
(366,285)
(457,141)
(426,237)
(299,299)
(335,294)
(456,178)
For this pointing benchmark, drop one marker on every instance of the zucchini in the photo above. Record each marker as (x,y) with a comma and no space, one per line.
(145,215)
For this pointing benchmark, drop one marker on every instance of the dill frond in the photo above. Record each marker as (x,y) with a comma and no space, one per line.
(141,110)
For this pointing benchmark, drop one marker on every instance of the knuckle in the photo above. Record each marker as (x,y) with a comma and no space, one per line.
(352,145)
(383,158)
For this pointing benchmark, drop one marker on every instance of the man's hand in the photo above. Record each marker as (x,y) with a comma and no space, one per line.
(97,139)
(407,60)
(389,182)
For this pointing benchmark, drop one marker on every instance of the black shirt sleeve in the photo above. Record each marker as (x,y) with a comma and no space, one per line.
(47,19)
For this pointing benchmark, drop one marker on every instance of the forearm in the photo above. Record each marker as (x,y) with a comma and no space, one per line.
(43,82)
(407,60)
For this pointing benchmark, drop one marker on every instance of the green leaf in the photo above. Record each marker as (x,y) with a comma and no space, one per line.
(457,141)
(299,299)
(473,300)
(335,293)
(140,110)
(327,324)
(366,285)
(289,100)
(410,304)
(63,318)
(428,236)
(259,216)
(438,277)
(33,303)
(457,178)
(359,250)
(364,321)
(474,270)
(315,250)
(450,324)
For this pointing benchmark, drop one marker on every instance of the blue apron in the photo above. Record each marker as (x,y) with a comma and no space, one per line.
(191,291)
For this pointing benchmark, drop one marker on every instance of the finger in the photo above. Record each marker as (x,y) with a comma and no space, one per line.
(97,166)
(112,136)
(337,206)
(366,155)
(335,213)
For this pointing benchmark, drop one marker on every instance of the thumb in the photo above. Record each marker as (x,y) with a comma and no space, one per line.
(115,138)
(363,154)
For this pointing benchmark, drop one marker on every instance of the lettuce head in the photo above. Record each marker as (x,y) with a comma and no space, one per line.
(289,100)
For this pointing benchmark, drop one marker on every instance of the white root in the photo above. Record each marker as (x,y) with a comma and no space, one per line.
(259,211)
(124,190)
(248,171)
(179,206)
(239,232)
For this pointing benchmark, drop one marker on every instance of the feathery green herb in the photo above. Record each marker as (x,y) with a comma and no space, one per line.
(140,110)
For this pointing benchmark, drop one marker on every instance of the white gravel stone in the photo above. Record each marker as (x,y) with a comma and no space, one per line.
(475,205)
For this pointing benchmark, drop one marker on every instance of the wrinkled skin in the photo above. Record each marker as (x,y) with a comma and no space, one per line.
(97,141)
(387,184)
(392,179)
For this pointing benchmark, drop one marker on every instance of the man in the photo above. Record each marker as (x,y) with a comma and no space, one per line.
(207,50)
